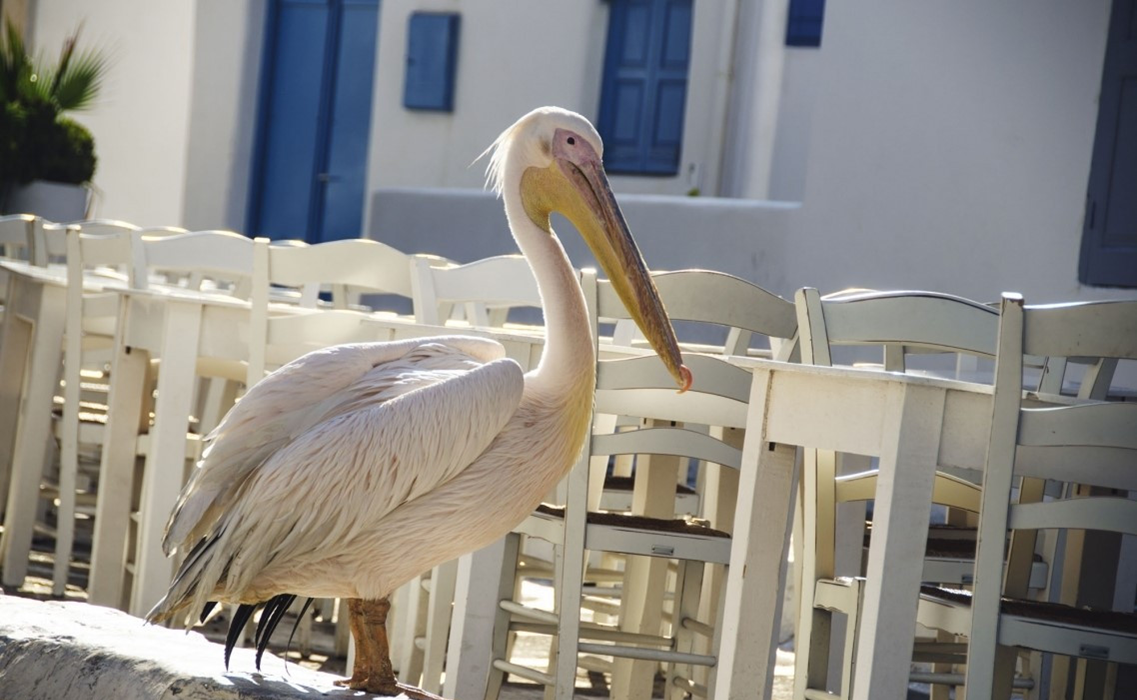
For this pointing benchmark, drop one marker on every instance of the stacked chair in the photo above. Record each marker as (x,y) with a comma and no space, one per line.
(638,413)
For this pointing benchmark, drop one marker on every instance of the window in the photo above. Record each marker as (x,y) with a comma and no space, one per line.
(432,52)
(804,25)
(644,91)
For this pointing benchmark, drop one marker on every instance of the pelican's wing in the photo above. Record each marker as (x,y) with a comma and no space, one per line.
(345,474)
(301,394)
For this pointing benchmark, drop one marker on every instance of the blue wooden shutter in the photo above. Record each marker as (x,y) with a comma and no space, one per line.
(432,53)
(1109,236)
(805,20)
(644,93)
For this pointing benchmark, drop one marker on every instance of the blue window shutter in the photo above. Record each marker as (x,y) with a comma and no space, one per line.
(805,20)
(432,53)
(644,91)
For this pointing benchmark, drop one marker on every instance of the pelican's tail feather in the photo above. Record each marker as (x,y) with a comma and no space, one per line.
(240,617)
(186,586)
(273,611)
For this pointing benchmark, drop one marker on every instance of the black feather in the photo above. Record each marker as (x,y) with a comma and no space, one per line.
(296,624)
(240,617)
(270,618)
(209,606)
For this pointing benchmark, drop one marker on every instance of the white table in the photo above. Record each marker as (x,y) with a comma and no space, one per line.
(918,422)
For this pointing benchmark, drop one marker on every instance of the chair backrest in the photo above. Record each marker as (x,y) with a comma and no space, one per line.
(711,298)
(498,283)
(51,238)
(217,260)
(900,322)
(641,393)
(1086,442)
(347,267)
(17,236)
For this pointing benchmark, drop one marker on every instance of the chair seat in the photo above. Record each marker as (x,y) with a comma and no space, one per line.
(678,538)
(1067,615)
(951,560)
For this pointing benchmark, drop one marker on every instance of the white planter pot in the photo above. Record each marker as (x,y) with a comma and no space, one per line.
(54,201)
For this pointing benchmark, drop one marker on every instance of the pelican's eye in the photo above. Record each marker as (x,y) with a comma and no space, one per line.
(571,141)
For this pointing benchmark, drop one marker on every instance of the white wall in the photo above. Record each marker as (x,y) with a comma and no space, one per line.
(513,56)
(951,147)
(141,121)
(227,51)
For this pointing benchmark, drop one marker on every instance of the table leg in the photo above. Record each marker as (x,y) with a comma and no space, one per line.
(33,436)
(752,606)
(116,470)
(165,463)
(16,339)
(911,437)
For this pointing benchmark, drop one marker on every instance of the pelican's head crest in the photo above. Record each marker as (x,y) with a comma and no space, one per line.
(529,142)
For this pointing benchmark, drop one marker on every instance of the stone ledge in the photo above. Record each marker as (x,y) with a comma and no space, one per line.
(57,650)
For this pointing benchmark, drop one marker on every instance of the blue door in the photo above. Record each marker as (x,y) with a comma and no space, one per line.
(644,91)
(315,116)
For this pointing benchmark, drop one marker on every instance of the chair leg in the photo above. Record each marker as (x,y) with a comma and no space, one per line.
(688,585)
(507,589)
(478,585)
(442,580)
(410,671)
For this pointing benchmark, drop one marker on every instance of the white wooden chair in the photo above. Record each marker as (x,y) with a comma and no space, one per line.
(484,289)
(834,488)
(691,295)
(627,387)
(1092,443)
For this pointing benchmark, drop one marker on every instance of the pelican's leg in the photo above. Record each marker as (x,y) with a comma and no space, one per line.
(373,627)
(361,671)
(373,671)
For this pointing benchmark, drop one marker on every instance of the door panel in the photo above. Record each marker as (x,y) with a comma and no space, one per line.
(344,184)
(290,118)
(315,119)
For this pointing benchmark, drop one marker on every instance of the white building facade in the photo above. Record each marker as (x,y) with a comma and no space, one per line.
(942,145)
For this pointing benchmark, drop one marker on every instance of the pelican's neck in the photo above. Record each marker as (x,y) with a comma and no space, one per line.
(569,355)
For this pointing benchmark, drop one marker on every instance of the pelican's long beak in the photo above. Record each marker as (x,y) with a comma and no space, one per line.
(607,234)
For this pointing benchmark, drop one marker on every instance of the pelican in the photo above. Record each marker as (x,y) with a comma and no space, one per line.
(353,469)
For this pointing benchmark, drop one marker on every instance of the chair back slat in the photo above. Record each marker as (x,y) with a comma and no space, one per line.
(1091,329)
(1102,513)
(370,266)
(499,282)
(710,298)
(677,442)
(911,320)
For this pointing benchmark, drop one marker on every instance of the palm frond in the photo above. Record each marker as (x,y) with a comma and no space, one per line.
(77,82)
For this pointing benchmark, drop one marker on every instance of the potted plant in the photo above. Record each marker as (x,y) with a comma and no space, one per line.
(46,159)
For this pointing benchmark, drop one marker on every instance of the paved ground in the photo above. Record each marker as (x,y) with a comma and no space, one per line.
(529,650)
